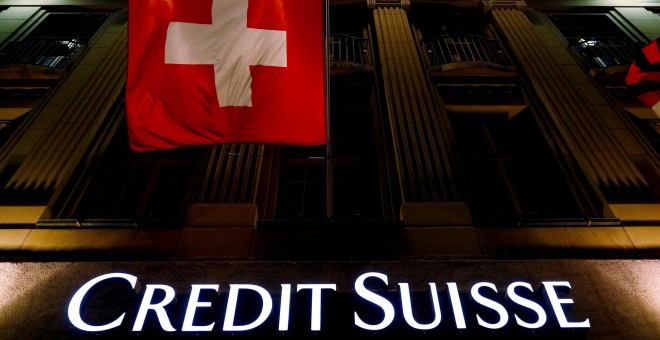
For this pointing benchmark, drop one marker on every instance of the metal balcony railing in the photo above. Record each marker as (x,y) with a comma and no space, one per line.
(449,49)
(48,52)
(601,53)
(349,49)
(503,3)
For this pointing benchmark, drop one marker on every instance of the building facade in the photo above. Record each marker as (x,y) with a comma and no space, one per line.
(469,142)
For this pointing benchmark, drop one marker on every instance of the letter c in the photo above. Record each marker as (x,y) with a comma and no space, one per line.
(76,302)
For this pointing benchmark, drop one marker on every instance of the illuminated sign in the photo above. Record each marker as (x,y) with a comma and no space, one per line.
(371,308)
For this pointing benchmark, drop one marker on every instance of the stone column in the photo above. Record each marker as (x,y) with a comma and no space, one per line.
(419,125)
(593,130)
(66,128)
(236,177)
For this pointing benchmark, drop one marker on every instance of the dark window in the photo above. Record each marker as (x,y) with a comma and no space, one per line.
(451,35)
(132,185)
(355,190)
(7,127)
(69,25)
(347,40)
(56,42)
(650,128)
(511,174)
(596,38)
(303,194)
(439,19)
(586,25)
(350,19)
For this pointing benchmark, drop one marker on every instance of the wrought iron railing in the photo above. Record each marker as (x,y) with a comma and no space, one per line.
(605,52)
(503,3)
(349,49)
(383,3)
(448,49)
(48,52)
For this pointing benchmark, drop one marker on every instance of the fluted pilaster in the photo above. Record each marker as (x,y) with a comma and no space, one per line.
(231,173)
(590,142)
(69,122)
(418,122)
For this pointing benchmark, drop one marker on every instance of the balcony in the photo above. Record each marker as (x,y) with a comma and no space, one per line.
(348,54)
(605,57)
(28,69)
(472,74)
(38,61)
(467,56)
(52,53)
(453,52)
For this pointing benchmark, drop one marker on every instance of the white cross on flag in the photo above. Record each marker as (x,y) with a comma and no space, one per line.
(225,71)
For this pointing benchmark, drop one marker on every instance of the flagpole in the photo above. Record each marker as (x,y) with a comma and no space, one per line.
(329,191)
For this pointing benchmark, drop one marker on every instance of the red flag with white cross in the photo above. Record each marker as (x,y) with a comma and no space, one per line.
(225,71)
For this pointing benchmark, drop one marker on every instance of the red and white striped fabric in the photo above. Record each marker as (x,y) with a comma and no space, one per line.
(643,77)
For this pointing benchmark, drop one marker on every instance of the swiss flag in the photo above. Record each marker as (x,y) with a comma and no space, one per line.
(225,71)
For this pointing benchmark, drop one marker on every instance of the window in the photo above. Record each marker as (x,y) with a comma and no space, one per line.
(597,39)
(9,121)
(450,35)
(511,175)
(439,19)
(303,184)
(138,186)
(355,190)
(56,41)
(348,43)
(650,128)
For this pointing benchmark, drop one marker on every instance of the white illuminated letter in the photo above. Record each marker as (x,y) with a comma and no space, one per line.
(407,307)
(316,301)
(76,302)
(456,305)
(193,304)
(285,303)
(556,303)
(159,307)
(504,316)
(266,308)
(376,299)
(511,295)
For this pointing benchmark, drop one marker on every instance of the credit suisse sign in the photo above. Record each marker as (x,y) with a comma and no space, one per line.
(372,306)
